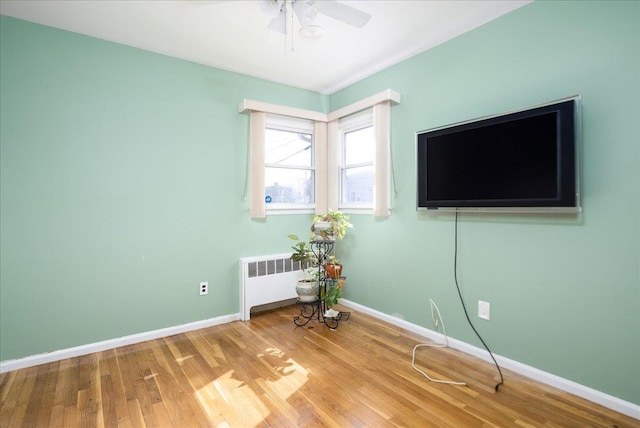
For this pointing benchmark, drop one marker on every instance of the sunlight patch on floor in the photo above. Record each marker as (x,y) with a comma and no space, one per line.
(181,360)
(249,404)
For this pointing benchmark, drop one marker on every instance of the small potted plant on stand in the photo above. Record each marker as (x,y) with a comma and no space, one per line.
(332,294)
(330,226)
(334,284)
(333,267)
(307,288)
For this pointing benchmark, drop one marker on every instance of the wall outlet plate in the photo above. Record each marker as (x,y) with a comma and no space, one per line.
(204,288)
(484,310)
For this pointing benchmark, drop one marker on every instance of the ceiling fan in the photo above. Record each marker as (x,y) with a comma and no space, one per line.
(306,12)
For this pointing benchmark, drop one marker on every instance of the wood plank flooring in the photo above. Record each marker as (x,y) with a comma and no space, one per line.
(269,373)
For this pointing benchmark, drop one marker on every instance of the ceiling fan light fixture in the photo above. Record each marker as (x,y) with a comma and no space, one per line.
(271,8)
(279,24)
(312,32)
(305,12)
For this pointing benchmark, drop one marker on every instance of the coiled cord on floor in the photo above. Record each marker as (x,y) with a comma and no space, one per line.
(434,345)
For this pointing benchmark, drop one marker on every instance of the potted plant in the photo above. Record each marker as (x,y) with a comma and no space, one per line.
(334,284)
(333,267)
(333,293)
(307,287)
(330,226)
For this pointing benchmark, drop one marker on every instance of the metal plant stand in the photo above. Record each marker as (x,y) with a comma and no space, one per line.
(317,309)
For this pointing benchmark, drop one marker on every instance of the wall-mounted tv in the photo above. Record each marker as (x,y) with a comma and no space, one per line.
(520,161)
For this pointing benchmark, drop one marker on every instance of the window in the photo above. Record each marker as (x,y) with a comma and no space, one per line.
(357,153)
(289,177)
(304,161)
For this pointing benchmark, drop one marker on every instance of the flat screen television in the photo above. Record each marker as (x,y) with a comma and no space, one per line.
(521,161)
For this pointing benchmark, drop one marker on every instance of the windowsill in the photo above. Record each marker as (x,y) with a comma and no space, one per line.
(290,210)
(356,210)
(311,211)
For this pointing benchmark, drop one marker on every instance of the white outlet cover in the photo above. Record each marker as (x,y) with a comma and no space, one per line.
(204,288)
(484,310)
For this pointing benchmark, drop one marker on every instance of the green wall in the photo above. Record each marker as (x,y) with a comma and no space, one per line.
(122,179)
(123,171)
(564,289)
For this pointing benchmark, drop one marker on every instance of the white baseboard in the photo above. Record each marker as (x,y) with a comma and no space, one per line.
(609,401)
(34,360)
(585,392)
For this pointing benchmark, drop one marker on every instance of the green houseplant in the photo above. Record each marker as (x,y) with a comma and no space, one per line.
(330,226)
(301,252)
(334,292)
(308,286)
(333,267)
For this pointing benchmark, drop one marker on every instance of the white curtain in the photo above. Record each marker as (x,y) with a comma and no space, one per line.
(257,120)
(320,163)
(333,164)
(382,159)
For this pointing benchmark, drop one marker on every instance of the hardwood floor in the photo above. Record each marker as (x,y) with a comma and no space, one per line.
(267,372)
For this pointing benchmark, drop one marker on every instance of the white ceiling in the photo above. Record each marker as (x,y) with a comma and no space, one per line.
(232,35)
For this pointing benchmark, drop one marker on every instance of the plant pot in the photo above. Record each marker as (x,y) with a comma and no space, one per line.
(307,290)
(320,226)
(334,270)
(324,237)
(322,229)
(331,313)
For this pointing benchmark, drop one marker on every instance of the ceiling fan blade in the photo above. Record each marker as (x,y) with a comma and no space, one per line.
(343,12)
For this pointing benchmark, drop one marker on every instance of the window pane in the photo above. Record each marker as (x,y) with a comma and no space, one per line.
(359,146)
(357,185)
(291,186)
(287,148)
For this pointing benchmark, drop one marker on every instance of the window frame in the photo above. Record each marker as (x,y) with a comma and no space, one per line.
(326,138)
(279,122)
(354,122)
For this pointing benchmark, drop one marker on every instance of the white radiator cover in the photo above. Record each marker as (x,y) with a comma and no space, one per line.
(267,279)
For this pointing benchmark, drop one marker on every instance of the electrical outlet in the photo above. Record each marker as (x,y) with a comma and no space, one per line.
(484,310)
(204,288)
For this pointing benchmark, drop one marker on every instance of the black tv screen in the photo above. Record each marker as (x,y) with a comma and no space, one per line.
(525,160)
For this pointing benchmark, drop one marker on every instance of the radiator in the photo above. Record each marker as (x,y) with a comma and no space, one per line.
(267,279)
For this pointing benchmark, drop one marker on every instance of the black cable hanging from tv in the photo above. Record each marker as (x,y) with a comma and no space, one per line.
(455,276)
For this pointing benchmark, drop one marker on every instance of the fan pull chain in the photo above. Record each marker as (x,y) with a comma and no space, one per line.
(291,14)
